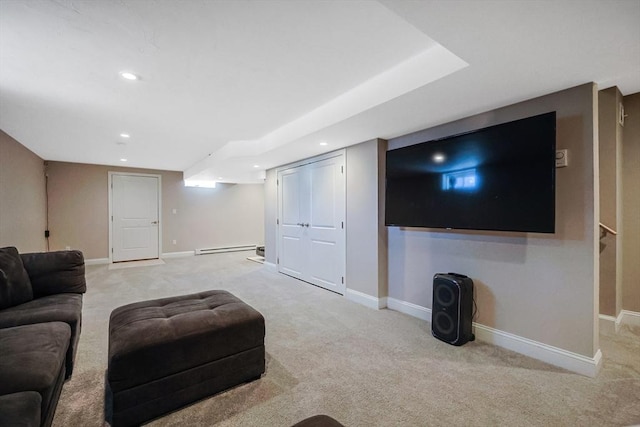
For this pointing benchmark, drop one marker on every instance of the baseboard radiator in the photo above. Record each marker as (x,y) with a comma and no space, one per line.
(218,250)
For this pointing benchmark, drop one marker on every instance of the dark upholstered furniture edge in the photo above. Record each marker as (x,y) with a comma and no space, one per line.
(33,359)
(318,421)
(15,286)
(55,272)
(20,409)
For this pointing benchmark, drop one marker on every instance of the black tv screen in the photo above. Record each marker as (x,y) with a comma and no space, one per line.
(497,178)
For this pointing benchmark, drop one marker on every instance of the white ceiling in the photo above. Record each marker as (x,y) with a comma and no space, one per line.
(226,85)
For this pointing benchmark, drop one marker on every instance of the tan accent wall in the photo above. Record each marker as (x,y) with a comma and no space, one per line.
(610,141)
(22,197)
(223,216)
(537,286)
(631,205)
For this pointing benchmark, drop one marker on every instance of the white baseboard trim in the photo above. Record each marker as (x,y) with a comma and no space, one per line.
(589,366)
(628,317)
(182,254)
(607,317)
(271,266)
(366,300)
(96,261)
(409,308)
(556,356)
(608,323)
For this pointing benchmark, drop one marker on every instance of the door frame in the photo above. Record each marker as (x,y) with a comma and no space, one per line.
(110,213)
(341,152)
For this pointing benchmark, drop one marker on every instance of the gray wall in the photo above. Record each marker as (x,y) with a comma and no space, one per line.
(270,215)
(631,205)
(366,235)
(22,197)
(541,287)
(610,145)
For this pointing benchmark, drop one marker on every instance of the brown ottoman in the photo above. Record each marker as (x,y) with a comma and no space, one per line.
(167,353)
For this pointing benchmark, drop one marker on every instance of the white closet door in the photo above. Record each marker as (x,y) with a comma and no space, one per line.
(311,216)
(293,254)
(325,232)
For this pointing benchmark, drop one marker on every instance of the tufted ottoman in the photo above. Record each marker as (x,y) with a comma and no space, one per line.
(169,352)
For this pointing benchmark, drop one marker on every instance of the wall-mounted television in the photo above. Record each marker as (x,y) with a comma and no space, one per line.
(499,178)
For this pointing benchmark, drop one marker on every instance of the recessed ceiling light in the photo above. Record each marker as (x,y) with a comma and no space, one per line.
(129,76)
(324,143)
(438,157)
(256,166)
(123,160)
(220,177)
(125,135)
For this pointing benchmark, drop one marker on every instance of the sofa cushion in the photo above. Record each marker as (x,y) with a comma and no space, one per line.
(65,308)
(55,272)
(32,359)
(15,286)
(53,308)
(32,356)
(20,409)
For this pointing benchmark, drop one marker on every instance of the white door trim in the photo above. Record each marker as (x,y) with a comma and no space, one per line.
(110,213)
(341,152)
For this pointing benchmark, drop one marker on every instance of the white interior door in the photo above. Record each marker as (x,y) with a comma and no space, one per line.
(293,254)
(135,217)
(325,224)
(311,213)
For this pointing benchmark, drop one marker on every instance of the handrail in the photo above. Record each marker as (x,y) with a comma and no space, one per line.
(607,230)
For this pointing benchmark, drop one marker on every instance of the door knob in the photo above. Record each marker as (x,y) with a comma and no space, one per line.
(305,225)
(154,222)
(300,224)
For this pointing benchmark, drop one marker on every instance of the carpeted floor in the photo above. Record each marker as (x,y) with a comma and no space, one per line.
(364,367)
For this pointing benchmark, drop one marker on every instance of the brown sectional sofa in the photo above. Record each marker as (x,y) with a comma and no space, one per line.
(40,322)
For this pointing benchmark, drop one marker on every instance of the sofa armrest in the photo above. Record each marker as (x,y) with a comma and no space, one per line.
(55,272)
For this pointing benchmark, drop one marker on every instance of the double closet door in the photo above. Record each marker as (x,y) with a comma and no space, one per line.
(311,222)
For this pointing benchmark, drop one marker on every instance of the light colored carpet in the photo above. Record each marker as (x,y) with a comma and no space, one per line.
(364,367)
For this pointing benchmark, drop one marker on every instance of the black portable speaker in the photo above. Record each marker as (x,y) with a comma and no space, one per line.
(452,313)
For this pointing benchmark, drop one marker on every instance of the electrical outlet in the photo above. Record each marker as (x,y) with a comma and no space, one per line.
(562,159)
(175,242)
(67,248)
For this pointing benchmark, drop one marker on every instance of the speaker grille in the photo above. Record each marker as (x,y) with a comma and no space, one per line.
(444,323)
(444,295)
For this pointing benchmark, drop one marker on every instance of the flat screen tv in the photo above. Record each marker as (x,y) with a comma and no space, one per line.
(497,178)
